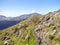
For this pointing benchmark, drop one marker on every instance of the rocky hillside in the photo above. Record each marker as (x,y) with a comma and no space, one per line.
(36,30)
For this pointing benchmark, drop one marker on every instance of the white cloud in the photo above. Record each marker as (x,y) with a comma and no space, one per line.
(9,13)
(6,13)
(32,11)
(24,13)
(16,13)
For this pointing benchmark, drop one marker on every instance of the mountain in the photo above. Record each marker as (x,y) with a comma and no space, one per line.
(24,16)
(10,21)
(35,30)
(2,17)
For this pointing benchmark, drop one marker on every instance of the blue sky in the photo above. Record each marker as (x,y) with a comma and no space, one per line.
(15,8)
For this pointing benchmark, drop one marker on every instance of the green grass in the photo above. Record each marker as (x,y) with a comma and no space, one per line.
(18,40)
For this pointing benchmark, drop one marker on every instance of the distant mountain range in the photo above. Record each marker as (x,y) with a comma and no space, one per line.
(9,21)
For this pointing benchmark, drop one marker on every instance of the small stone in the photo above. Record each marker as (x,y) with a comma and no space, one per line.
(54,28)
(26,44)
(54,31)
(57,44)
(39,41)
(17,33)
(38,28)
(27,37)
(59,33)
(7,42)
(20,32)
(48,24)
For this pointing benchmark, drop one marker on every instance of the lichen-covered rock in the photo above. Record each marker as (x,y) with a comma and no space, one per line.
(38,28)
(20,32)
(47,24)
(7,42)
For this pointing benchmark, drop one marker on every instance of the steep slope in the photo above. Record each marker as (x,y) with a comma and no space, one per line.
(20,32)
(36,30)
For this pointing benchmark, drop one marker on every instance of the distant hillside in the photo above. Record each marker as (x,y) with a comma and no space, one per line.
(35,30)
(6,22)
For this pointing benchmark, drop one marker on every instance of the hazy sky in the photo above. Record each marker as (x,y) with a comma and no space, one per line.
(18,7)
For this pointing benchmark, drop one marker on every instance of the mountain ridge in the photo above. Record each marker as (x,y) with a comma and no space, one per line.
(10,21)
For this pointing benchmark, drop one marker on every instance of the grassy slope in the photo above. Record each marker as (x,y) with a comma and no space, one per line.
(21,40)
(35,20)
